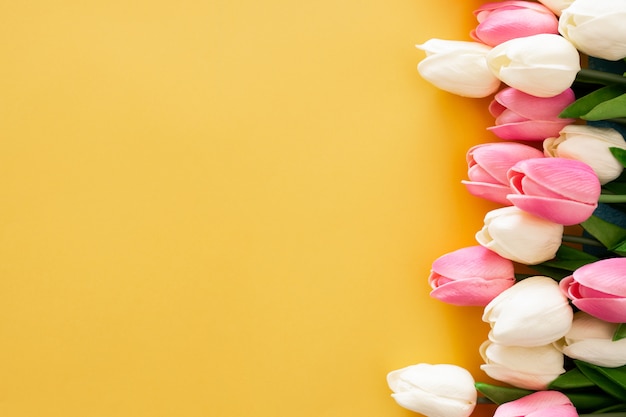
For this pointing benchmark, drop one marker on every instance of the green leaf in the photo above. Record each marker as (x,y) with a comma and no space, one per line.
(586,103)
(499,394)
(610,380)
(610,109)
(583,392)
(570,259)
(615,187)
(592,76)
(569,253)
(571,379)
(608,234)
(616,410)
(586,397)
(619,154)
(567,265)
(620,249)
(592,401)
(620,332)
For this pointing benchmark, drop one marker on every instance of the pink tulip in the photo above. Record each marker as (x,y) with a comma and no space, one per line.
(538,404)
(471,276)
(564,191)
(599,289)
(488,165)
(505,20)
(520,116)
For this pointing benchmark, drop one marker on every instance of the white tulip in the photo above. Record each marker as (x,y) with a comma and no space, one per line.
(440,390)
(541,65)
(557,6)
(533,312)
(590,145)
(531,368)
(458,67)
(596,27)
(520,236)
(591,340)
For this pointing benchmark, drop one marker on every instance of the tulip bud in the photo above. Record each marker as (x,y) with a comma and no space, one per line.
(590,145)
(520,116)
(557,6)
(591,340)
(541,65)
(532,312)
(471,276)
(458,67)
(561,190)
(434,390)
(523,367)
(599,289)
(520,236)
(596,27)
(506,20)
(539,404)
(488,165)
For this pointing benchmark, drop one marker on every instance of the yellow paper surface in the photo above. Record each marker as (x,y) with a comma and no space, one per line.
(227,208)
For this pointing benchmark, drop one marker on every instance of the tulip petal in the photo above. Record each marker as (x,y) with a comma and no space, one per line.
(531,130)
(472,262)
(518,379)
(601,352)
(520,236)
(585,326)
(432,406)
(539,404)
(534,108)
(612,310)
(568,178)
(532,80)
(608,276)
(479,174)
(591,146)
(439,46)
(535,360)
(492,192)
(471,292)
(599,289)
(586,292)
(495,108)
(604,134)
(497,158)
(563,212)
(524,184)
(458,67)
(556,5)
(516,322)
(446,380)
(509,116)
(505,24)
(596,28)
(541,65)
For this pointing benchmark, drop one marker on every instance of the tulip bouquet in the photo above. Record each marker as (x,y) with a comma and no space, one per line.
(555,300)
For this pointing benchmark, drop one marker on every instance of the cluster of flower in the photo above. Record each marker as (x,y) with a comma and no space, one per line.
(558,336)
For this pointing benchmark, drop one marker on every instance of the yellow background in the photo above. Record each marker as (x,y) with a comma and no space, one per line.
(227,208)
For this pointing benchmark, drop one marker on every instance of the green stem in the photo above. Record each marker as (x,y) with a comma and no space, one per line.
(582,240)
(590,76)
(612,198)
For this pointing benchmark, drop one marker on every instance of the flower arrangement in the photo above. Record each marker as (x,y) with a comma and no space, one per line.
(550,264)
